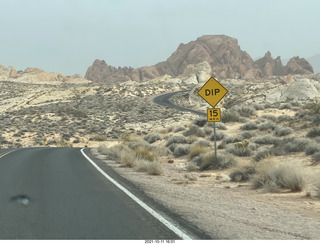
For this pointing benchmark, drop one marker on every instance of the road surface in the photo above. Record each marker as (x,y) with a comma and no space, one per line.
(164,100)
(55,193)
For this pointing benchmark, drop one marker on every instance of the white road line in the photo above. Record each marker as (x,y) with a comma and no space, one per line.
(158,216)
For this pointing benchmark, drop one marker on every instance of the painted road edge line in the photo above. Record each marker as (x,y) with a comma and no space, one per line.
(158,216)
(6,153)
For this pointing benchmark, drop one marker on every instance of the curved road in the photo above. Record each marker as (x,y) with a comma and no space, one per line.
(164,100)
(55,193)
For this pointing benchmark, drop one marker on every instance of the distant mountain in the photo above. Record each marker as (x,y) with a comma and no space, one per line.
(315,62)
(223,54)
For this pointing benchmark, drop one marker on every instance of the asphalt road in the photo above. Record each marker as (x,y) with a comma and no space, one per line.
(164,100)
(55,193)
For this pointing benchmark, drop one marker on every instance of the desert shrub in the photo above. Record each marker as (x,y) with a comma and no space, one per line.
(151,138)
(141,165)
(314,132)
(245,111)
(313,107)
(284,117)
(200,122)
(194,130)
(196,150)
(99,138)
(179,128)
(219,125)
(207,161)
(259,107)
(275,177)
(268,125)
(285,106)
(262,154)
(219,136)
(242,174)
(181,150)
(289,145)
(208,130)
(315,158)
(144,153)
(247,134)
(112,153)
(128,158)
(154,168)
(191,166)
(233,139)
(312,148)
(230,116)
(241,149)
(139,143)
(177,139)
(283,131)
(249,126)
(224,161)
(203,143)
(267,139)
(269,117)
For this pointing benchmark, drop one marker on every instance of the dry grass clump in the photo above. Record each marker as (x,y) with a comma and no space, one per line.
(112,153)
(152,168)
(128,158)
(196,150)
(273,177)
(145,153)
(262,153)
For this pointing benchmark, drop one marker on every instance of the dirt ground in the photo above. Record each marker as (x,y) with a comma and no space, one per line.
(228,210)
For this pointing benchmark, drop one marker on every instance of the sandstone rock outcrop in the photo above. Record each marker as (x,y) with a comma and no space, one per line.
(221,52)
(37,75)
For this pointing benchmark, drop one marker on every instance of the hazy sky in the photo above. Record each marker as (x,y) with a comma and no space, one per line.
(66,36)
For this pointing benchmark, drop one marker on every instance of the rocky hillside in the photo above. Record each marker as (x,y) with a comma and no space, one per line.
(31,75)
(223,53)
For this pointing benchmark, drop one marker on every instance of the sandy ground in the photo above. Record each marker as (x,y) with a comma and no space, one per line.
(228,210)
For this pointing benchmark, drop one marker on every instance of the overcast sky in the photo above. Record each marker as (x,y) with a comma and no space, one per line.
(66,36)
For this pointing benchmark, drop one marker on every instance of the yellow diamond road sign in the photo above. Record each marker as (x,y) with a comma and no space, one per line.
(212,92)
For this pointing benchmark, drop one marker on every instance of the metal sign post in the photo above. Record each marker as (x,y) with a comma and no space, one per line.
(212,92)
